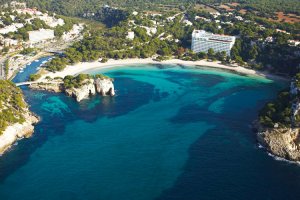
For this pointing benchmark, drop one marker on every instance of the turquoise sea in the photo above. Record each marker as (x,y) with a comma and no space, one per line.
(171,132)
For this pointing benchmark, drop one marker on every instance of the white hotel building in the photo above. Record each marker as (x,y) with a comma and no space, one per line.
(40,35)
(202,41)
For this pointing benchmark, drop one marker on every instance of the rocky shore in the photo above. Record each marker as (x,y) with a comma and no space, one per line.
(83,90)
(281,142)
(16,120)
(17,131)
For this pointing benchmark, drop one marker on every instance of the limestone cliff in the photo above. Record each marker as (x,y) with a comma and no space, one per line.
(84,91)
(17,131)
(16,121)
(284,142)
(79,87)
(105,87)
(52,86)
(279,122)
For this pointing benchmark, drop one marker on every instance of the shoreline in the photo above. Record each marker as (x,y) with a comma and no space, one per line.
(88,66)
(17,131)
(275,157)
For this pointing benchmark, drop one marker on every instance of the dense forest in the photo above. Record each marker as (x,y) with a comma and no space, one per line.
(287,6)
(93,9)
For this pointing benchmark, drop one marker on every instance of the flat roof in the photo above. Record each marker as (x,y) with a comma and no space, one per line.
(211,36)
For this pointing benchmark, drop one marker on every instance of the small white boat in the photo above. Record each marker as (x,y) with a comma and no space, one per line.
(29,64)
(38,68)
(44,61)
(21,71)
(36,61)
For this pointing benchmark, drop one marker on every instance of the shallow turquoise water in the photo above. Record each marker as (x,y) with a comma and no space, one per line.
(171,132)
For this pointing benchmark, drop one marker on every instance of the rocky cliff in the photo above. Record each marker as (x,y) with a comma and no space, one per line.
(284,142)
(18,131)
(105,87)
(279,123)
(78,88)
(52,86)
(84,91)
(16,121)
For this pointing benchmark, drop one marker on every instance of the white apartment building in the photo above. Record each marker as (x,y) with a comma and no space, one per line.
(11,28)
(40,35)
(202,41)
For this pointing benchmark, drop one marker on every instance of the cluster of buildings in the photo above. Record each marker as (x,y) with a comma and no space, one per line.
(202,41)
(15,23)
(35,37)
(10,28)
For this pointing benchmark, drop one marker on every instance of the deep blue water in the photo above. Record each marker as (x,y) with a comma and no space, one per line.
(170,133)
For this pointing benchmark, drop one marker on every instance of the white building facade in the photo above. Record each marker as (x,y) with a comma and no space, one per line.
(40,35)
(202,41)
(130,35)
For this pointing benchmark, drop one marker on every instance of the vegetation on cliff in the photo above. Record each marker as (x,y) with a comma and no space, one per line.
(283,112)
(277,111)
(12,105)
(77,81)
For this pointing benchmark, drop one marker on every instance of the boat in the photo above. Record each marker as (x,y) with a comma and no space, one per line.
(44,61)
(36,61)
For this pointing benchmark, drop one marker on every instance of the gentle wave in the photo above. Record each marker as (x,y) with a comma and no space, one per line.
(283,159)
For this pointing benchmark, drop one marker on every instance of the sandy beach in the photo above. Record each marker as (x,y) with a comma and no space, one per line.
(87,66)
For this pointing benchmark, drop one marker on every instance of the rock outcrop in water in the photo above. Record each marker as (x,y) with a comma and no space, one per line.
(104,87)
(284,142)
(79,87)
(87,88)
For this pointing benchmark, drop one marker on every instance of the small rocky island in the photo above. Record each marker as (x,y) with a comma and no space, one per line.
(278,129)
(16,121)
(80,87)
(283,142)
